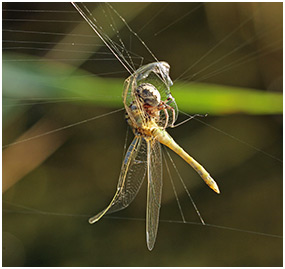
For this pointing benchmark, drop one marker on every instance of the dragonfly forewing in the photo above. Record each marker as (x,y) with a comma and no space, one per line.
(132,174)
(154,190)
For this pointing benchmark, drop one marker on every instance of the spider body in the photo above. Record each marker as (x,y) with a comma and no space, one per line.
(147,107)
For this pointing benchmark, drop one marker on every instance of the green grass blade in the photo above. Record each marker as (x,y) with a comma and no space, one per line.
(32,79)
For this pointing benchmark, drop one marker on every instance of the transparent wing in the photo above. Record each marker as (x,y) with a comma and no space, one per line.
(154,190)
(132,174)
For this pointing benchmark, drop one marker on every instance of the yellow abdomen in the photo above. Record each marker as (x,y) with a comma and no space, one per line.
(164,138)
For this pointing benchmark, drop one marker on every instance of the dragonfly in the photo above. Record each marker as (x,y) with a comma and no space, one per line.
(150,110)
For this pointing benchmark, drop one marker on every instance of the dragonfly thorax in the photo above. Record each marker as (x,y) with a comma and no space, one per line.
(143,112)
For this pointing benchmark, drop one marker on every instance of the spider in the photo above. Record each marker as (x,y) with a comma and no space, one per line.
(151,101)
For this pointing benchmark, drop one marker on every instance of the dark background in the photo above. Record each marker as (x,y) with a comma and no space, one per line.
(45,211)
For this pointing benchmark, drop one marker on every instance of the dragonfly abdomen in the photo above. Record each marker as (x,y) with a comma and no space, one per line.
(164,138)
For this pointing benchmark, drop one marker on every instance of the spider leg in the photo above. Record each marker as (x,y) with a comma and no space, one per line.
(171,99)
(166,117)
(173,116)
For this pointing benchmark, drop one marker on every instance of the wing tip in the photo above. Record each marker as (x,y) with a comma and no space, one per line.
(150,243)
(95,218)
(150,247)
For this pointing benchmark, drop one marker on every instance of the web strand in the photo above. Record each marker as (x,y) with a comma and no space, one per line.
(32,211)
(26,210)
(174,189)
(62,128)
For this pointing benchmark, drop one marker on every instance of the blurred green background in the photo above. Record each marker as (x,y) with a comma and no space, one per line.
(57,73)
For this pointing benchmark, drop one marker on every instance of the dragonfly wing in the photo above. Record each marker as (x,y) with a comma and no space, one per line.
(132,174)
(154,191)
